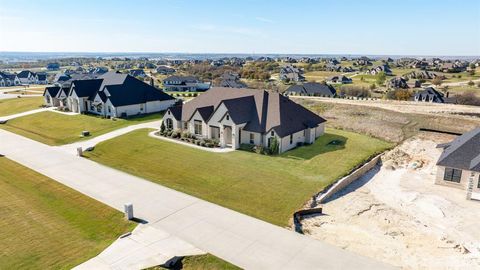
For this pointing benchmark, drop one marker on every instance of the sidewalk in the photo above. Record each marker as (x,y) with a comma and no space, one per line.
(240,239)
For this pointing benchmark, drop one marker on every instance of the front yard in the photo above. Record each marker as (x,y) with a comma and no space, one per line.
(18,105)
(265,187)
(56,129)
(46,225)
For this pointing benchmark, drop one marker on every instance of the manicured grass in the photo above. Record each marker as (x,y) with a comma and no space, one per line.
(206,262)
(201,262)
(18,105)
(46,225)
(269,188)
(56,129)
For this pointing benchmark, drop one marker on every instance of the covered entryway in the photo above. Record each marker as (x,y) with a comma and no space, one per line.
(227,136)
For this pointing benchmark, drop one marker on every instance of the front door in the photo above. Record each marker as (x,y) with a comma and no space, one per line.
(227,133)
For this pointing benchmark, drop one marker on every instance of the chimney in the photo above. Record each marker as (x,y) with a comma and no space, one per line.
(448,93)
(151,82)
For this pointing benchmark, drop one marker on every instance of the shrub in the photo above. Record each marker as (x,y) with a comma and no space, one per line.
(175,134)
(471,83)
(274,146)
(468,98)
(162,128)
(247,147)
(259,149)
(169,133)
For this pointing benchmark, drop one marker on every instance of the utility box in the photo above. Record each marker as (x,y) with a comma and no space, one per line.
(128,211)
(79,151)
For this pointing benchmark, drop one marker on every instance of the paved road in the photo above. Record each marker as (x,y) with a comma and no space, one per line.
(242,240)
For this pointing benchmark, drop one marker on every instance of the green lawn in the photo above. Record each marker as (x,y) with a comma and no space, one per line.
(269,188)
(201,262)
(56,129)
(18,105)
(46,225)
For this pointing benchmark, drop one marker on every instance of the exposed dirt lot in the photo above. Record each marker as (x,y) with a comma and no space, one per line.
(396,213)
(390,120)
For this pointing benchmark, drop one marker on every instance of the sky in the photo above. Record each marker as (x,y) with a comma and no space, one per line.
(374,27)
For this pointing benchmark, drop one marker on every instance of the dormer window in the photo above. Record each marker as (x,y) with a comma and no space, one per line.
(272,133)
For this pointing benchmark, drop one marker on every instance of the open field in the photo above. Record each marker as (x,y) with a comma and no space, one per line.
(56,129)
(392,121)
(18,105)
(269,188)
(319,76)
(396,214)
(46,225)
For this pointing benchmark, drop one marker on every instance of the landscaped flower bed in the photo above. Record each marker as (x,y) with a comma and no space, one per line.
(188,137)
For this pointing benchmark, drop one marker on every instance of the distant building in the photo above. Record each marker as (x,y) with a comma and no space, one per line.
(291,73)
(429,94)
(53,66)
(339,79)
(398,82)
(382,68)
(9,79)
(164,70)
(137,73)
(26,77)
(185,84)
(312,89)
(231,80)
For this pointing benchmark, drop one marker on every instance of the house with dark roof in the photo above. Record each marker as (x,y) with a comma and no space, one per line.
(311,89)
(112,95)
(382,68)
(41,78)
(53,66)
(429,94)
(246,116)
(137,73)
(292,74)
(459,164)
(185,84)
(164,70)
(50,96)
(231,80)
(10,79)
(339,79)
(26,77)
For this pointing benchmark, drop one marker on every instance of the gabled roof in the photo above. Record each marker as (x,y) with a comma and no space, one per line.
(313,89)
(51,90)
(133,91)
(25,74)
(463,152)
(42,76)
(205,112)
(431,93)
(86,88)
(176,112)
(261,111)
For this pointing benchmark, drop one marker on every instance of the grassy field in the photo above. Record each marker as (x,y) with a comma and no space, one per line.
(18,105)
(46,225)
(269,188)
(318,76)
(56,129)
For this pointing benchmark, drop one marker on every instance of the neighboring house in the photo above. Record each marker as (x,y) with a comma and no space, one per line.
(382,68)
(53,66)
(398,82)
(184,84)
(41,78)
(231,80)
(429,94)
(137,73)
(311,89)
(10,79)
(339,79)
(291,73)
(459,164)
(246,116)
(116,95)
(27,77)
(164,70)
(50,96)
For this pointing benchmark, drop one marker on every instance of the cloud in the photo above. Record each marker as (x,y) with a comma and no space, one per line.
(265,20)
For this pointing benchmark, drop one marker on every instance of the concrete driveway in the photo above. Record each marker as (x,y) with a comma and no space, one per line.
(240,239)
